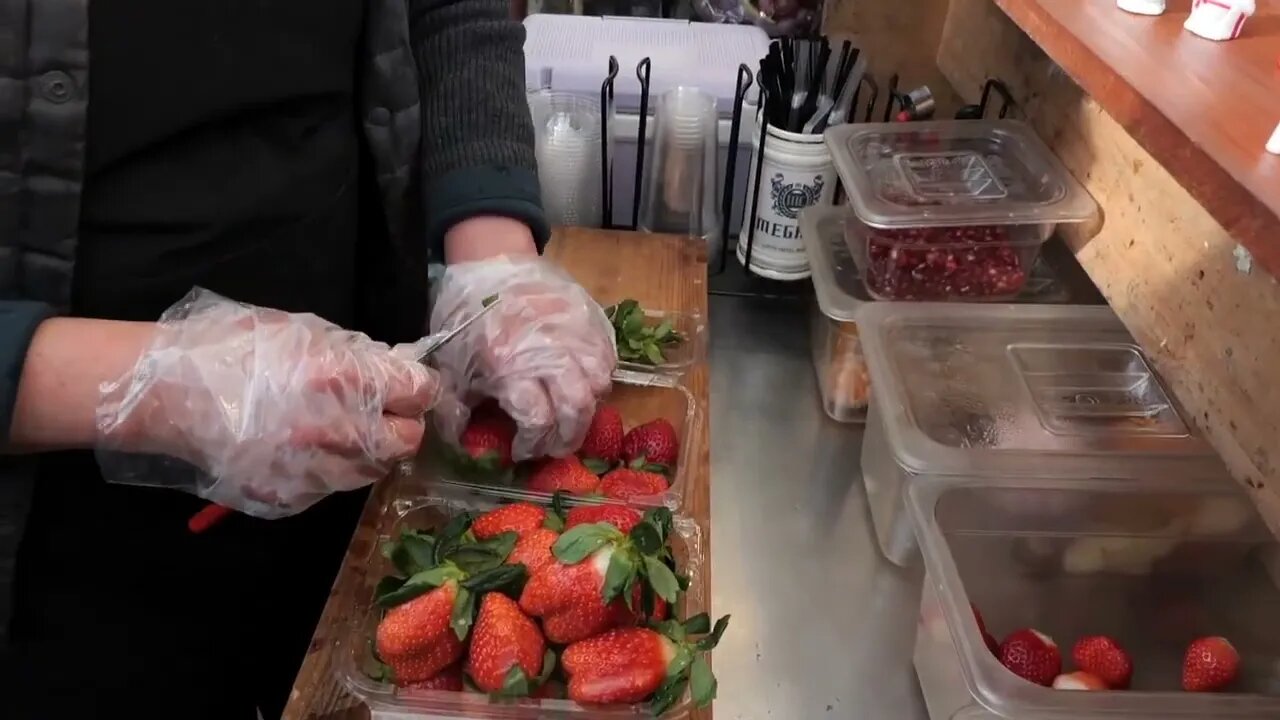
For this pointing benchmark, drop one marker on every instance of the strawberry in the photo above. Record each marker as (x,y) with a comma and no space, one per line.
(416,640)
(1103,657)
(563,474)
(1079,680)
(518,518)
(621,615)
(604,437)
(507,649)
(487,438)
(623,518)
(1032,656)
(595,564)
(448,679)
(626,484)
(652,444)
(628,665)
(1211,664)
(533,550)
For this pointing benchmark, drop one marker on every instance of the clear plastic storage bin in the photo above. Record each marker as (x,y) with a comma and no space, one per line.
(1154,564)
(1025,391)
(355,658)
(951,210)
(838,360)
(639,397)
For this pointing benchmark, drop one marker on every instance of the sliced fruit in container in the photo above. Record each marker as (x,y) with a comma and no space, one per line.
(1103,657)
(1079,680)
(1032,656)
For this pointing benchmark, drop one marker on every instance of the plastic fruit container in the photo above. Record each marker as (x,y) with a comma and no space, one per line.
(639,397)
(951,210)
(678,358)
(1154,564)
(387,702)
(1022,391)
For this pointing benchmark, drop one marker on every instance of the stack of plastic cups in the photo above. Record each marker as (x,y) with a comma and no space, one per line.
(567,131)
(679,190)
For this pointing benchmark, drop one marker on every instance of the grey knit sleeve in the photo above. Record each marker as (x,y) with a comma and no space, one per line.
(477,141)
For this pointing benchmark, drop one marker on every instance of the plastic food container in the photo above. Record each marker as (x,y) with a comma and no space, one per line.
(951,210)
(387,702)
(678,358)
(639,397)
(1154,564)
(1023,391)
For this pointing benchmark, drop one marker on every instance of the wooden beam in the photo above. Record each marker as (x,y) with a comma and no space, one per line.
(1207,315)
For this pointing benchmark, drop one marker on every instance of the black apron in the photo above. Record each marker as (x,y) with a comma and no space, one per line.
(223,152)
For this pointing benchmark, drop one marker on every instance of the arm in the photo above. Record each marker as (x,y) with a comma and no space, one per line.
(480,181)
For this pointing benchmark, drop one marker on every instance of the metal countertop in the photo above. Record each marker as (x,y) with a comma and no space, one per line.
(823,626)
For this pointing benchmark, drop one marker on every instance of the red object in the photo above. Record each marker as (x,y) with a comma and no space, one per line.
(942,263)
(519,518)
(570,599)
(503,637)
(1032,656)
(625,665)
(604,437)
(488,438)
(415,639)
(533,550)
(654,442)
(623,518)
(448,679)
(626,484)
(1103,657)
(210,515)
(567,474)
(1210,664)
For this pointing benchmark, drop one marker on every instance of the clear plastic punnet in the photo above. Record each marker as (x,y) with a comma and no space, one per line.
(1026,391)
(952,210)
(638,397)
(357,665)
(1154,564)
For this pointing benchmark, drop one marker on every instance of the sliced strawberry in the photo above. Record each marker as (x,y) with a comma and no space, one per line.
(1079,680)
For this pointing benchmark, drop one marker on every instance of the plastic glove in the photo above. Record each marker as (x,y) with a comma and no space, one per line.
(545,353)
(259,410)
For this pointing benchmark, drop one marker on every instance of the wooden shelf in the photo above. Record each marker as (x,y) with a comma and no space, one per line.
(1203,110)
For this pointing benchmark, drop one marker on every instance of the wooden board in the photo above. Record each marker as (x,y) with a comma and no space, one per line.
(1166,265)
(661,272)
(1203,110)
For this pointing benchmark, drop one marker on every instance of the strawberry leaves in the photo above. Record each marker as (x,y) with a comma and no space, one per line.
(637,341)
(580,542)
(688,667)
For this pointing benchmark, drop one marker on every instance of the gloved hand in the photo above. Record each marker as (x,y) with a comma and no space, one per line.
(545,353)
(259,410)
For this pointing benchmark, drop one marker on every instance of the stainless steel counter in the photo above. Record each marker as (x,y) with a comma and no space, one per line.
(823,625)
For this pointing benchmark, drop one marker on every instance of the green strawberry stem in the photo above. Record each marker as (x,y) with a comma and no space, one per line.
(689,667)
(516,684)
(637,341)
(643,553)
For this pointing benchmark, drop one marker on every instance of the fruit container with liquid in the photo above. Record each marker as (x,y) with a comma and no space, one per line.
(1023,391)
(951,210)
(1154,565)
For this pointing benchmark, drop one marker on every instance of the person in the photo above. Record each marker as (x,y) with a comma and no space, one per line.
(216,226)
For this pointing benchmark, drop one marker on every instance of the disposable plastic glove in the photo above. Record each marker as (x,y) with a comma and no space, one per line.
(545,352)
(259,410)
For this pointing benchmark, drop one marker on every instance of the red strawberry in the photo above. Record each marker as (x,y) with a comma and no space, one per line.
(653,443)
(533,550)
(621,615)
(1103,657)
(1032,656)
(1211,664)
(626,484)
(604,437)
(507,649)
(488,437)
(623,518)
(572,596)
(628,665)
(448,679)
(566,474)
(415,639)
(1079,680)
(519,518)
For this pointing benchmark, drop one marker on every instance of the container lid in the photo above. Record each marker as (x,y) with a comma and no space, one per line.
(1025,390)
(954,172)
(838,286)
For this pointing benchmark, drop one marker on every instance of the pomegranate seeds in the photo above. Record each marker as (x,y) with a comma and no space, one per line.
(943,263)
